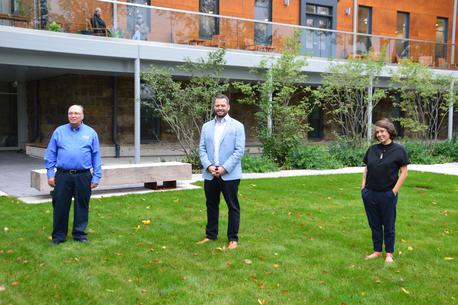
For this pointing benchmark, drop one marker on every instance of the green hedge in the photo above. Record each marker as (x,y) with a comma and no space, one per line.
(344,154)
(257,164)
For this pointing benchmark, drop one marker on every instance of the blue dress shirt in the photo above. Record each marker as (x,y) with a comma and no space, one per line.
(74,148)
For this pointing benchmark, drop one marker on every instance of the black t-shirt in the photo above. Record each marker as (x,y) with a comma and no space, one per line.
(383,164)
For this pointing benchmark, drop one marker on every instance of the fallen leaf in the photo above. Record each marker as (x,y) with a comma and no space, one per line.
(143,290)
(10,251)
(2,288)
(164,247)
(248,261)
(6,229)
(15,283)
(400,252)
(228,264)
(253,185)
(222,249)
(261,285)
(253,278)
(195,254)
(146,222)
(321,282)
(405,290)
(447,258)
(376,280)
(262,301)
(276,266)
(183,277)
(284,292)
(409,248)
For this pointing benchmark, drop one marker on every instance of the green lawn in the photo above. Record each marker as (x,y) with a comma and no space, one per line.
(302,241)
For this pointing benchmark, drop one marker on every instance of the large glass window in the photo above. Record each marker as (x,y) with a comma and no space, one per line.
(8,115)
(208,26)
(150,121)
(263,31)
(363,43)
(441,40)
(139,16)
(402,32)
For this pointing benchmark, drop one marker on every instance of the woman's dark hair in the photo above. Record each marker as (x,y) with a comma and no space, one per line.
(388,125)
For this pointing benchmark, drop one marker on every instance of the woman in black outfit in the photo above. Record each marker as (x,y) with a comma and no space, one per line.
(384,174)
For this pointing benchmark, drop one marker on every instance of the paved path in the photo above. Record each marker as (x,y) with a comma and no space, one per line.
(15,170)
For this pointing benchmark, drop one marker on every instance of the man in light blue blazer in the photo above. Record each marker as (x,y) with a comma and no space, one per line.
(222,144)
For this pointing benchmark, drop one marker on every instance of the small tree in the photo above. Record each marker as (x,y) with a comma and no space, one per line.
(425,99)
(282,100)
(185,106)
(344,95)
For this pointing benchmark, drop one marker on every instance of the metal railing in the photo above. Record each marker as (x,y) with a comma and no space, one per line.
(158,24)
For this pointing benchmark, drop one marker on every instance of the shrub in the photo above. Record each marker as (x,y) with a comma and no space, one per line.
(312,156)
(257,164)
(347,153)
(448,150)
(420,153)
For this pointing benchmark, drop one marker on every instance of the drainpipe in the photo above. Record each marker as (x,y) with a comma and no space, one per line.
(137,110)
(355,24)
(114,116)
(369,110)
(452,61)
(450,111)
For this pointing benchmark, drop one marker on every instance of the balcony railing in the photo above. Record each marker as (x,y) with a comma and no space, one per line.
(150,23)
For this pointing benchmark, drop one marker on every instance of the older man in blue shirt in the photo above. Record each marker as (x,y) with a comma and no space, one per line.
(73,150)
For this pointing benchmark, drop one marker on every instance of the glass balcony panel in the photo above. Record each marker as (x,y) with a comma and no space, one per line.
(130,21)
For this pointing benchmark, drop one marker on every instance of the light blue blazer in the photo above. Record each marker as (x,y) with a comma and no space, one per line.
(232,147)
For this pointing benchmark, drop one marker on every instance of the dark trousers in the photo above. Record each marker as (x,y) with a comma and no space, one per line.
(213,189)
(381,214)
(70,186)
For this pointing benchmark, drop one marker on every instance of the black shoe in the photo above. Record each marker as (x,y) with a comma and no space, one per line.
(83,241)
(57,242)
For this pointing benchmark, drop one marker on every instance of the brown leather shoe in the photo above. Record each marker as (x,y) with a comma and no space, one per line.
(203,241)
(374,255)
(232,245)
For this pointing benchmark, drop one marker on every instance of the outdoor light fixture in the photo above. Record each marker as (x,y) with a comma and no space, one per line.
(348,11)
(286,2)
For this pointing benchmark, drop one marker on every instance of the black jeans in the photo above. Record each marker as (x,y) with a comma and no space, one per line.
(213,189)
(381,214)
(68,186)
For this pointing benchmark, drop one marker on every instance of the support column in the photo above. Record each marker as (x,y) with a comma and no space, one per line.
(369,110)
(450,111)
(22,120)
(269,110)
(355,24)
(137,111)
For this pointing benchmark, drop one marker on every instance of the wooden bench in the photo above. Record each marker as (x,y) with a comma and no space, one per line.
(151,175)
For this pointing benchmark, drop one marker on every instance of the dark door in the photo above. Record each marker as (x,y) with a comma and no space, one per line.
(318,42)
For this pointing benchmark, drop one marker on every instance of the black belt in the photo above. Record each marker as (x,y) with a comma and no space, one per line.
(73,171)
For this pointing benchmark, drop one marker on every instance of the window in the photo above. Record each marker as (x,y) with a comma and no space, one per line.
(208,26)
(402,31)
(137,15)
(263,31)
(318,42)
(150,122)
(363,43)
(441,40)
(8,115)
